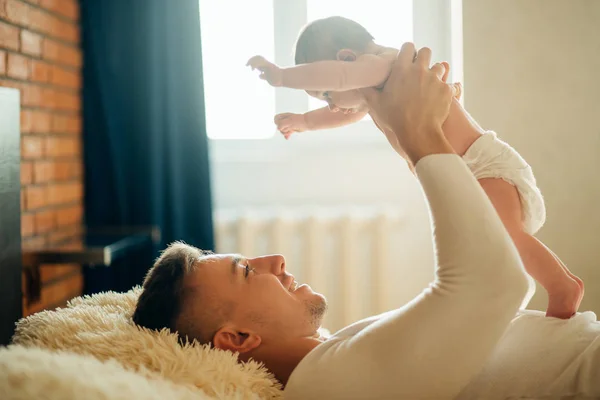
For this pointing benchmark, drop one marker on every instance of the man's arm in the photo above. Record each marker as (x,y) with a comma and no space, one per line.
(367,71)
(433,346)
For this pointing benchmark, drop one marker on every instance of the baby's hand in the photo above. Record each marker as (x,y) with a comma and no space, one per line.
(268,71)
(288,123)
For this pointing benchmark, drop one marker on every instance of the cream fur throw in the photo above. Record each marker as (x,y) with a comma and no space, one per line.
(101,326)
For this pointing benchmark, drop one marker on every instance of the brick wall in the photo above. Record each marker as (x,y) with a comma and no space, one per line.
(40,55)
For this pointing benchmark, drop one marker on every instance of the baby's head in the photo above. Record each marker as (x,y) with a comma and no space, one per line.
(324,39)
(333,38)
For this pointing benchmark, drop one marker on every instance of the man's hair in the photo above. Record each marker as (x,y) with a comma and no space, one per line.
(323,38)
(160,303)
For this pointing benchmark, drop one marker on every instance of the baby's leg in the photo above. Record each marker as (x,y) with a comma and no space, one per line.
(564,291)
(573,276)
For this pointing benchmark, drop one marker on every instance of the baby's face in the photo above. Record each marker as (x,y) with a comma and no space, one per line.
(338,101)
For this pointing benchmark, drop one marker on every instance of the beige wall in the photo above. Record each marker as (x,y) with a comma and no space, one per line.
(532,73)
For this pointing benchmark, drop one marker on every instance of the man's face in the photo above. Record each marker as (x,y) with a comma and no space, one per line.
(264,297)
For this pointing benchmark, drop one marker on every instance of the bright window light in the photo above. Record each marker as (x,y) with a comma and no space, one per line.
(238,104)
(389,21)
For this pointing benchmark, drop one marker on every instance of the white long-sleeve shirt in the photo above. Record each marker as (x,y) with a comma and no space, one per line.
(436,346)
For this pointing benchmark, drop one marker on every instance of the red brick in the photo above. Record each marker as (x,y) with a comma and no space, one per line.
(72,56)
(66,124)
(52,272)
(66,31)
(26,173)
(18,66)
(18,12)
(27,225)
(3,9)
(64,289)
(50,50)
(26,121)
(68,8)
(9,36)
(66,101)
(64,235)
(14,85)
(78,169)
(32,147)
(40,71)
(63,77)
(45,221)
(2,62)
(41,122)
(49,98)
(43,171)
(66,170)
(31,43)
(33,242)
(73,33)
(35,197)
(75,125)
(70,216)
(62,146)
(63,54)
(64,193)
(31,96)
(41,21)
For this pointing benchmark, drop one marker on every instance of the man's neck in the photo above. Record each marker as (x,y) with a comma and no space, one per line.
(282,358)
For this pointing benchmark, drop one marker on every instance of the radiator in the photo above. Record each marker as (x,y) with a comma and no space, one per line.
(344,254)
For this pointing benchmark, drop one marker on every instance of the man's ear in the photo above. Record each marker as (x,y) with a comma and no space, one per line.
(346,55)
(235,340)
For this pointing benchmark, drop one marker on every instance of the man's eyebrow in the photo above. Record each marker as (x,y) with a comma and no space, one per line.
(235,262)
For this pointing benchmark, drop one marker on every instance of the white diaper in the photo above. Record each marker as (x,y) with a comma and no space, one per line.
(490,157)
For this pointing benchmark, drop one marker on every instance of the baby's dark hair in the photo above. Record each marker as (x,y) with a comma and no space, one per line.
(323,38)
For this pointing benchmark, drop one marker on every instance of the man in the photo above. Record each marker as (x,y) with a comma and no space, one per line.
(458,339)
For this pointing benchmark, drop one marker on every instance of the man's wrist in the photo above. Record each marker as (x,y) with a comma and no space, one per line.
(425,143)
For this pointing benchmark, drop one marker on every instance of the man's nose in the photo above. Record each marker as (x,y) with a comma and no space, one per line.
(270,264)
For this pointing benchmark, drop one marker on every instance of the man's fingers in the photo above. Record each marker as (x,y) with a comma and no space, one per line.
(447,72)
(456,90)
(439,70)
(424,57)
(406,56)
(371,96)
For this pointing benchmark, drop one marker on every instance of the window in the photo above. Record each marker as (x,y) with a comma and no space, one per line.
(238,104)
(313,167)
(390,22)
(241,106)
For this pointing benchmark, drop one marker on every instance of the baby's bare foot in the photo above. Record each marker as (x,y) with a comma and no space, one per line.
(564,301)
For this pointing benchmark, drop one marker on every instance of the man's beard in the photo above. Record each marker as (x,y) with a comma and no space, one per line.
(316,311)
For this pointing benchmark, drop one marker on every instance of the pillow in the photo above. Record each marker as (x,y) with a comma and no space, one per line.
(101,326)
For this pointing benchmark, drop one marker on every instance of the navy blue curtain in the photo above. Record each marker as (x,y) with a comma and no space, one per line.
(145,143)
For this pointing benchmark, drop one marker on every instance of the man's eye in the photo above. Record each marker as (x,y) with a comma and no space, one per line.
(247,270)
(326,95)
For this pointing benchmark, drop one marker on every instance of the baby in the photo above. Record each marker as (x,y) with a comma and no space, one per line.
(336,57)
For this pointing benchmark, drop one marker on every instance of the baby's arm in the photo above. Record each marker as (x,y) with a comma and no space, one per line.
(367,71)
(321,118)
